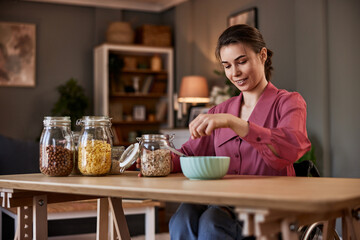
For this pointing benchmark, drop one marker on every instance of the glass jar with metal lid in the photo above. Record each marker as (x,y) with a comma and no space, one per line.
(56,147)
(153,152)
(94,147)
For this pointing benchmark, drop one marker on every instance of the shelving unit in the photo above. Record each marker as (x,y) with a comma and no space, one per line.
(142,107)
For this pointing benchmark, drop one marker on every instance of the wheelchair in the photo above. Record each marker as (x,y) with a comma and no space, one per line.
(307,168)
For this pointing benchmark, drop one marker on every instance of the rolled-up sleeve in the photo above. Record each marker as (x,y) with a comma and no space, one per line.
(288,137)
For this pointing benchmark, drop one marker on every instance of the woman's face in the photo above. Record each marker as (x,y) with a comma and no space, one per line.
(243,67)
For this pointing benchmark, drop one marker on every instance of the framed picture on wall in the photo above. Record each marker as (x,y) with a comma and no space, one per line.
(248,16)
(17,54)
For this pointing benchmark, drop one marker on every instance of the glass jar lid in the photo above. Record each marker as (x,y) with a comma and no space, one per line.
(94,120)
(129,156)
(53,121)
(157,137)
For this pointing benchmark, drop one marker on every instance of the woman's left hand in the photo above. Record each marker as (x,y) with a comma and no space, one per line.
(204,124)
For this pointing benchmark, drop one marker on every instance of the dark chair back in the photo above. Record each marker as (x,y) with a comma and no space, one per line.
(18,156)
(306,168)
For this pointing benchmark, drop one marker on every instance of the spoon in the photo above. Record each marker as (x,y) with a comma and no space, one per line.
(175,151)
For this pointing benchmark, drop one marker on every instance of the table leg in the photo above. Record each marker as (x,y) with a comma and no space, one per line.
(120,224)
(352,224)
(1,221)
(248,223)
(40,229)
(344,228)
(102,219)
(112,227)
(329,229)
(150,223)
(289,229)
(24,226)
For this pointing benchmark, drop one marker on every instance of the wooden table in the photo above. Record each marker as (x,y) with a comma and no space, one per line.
(267,204)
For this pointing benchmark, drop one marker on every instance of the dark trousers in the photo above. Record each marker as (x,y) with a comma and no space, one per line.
(203,222)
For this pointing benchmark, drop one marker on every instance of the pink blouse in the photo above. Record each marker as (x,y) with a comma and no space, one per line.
(279,119)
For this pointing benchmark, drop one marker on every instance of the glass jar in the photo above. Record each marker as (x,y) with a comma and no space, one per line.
(116,153)
(94,147)
(76,136)
(56,147)
(155,157)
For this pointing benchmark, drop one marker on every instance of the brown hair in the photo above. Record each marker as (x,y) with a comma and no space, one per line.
(246,34)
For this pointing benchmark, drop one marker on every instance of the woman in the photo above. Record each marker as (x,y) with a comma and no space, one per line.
(263,130)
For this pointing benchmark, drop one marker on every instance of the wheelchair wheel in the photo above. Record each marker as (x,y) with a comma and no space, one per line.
(314,232)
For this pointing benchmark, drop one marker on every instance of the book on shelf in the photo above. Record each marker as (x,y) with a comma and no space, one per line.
(147,84)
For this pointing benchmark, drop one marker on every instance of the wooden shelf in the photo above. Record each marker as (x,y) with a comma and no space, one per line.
(156,89)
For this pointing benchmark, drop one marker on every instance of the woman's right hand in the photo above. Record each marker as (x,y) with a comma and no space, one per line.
(205,124)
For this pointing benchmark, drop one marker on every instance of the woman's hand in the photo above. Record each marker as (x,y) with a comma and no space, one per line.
(205,124)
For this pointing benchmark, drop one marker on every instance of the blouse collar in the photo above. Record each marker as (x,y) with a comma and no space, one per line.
(258,115)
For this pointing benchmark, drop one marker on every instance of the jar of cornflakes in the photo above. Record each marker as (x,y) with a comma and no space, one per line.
(94,147)
(56,147)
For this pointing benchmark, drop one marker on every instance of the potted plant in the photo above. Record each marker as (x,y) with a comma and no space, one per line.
(72,101)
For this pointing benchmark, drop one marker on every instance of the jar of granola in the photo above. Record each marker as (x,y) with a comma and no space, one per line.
(155,157)
(94,146)
(56,147)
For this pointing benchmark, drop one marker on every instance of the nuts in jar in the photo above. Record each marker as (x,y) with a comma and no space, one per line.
(94,157)
(155,163)
(56,147)
(59,161)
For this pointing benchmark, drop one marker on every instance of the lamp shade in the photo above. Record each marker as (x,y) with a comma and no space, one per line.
(194,89)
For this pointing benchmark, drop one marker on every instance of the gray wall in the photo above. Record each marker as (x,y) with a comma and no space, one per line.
(197,32)
(344,87)
(65,38)
(315,54)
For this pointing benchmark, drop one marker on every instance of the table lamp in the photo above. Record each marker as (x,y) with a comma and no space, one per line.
(193,89)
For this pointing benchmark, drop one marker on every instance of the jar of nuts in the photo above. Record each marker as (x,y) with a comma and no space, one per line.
(56,147)
(155,157)
(94,147)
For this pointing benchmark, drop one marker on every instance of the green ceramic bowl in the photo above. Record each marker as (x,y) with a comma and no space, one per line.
(206,167)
